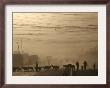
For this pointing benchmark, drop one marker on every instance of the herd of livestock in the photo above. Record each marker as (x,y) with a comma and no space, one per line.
(66,67)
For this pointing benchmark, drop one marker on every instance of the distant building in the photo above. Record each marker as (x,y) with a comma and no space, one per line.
(33,59)
(24,59)
(17,60)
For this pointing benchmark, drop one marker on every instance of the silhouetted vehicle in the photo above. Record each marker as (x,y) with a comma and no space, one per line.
(85,65)
(77,65)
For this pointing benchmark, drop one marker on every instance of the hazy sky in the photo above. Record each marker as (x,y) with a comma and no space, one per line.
(67,37)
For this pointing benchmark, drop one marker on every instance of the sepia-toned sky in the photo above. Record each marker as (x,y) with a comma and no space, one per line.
(66,37)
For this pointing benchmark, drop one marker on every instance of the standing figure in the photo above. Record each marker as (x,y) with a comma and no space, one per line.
(85,65)
(81,68)
(73,69)
(36,67)
(77,66)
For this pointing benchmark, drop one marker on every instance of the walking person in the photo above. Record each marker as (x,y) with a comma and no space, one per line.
(77,66)
(85,65)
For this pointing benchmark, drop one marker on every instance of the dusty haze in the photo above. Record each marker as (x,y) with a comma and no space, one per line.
(66,37)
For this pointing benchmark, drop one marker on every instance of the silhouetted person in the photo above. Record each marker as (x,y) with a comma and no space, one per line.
(36,67)
(94,66)
(73,67)
(69,66)
(69,69)
(65,70)
(85,65)
(82,68)
(77,65)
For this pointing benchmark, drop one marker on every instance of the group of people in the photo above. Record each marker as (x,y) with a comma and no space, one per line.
(71,69)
